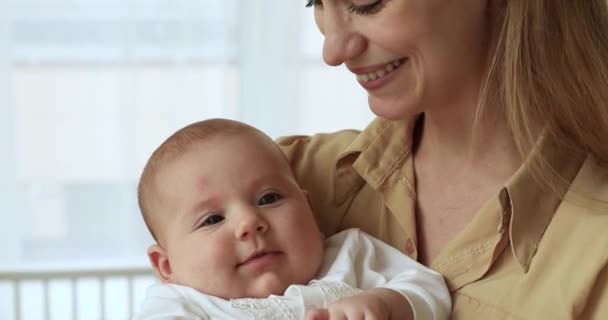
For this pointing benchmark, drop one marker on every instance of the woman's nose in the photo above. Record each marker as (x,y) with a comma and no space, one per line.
(342,41)
(251,223)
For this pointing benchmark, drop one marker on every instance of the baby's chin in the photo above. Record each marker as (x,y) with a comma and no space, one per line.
(266,287)
(260,287)
(269,284)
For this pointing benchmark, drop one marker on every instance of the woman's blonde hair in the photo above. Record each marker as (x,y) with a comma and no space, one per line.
(549,69)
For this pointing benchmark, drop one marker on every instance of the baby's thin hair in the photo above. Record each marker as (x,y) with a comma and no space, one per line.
(175,145)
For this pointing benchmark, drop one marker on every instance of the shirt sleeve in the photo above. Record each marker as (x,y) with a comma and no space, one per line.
(376,264)
(596,307)
(313,161)
(163,302)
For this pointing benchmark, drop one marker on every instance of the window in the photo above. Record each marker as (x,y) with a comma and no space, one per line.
(88,88)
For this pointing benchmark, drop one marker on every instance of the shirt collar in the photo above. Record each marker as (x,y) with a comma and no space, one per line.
(533,204)
(372,156)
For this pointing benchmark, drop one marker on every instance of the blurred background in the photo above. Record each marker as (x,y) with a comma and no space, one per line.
(88,89)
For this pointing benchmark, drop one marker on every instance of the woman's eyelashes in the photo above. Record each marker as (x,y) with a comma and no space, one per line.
(269,198)
(366,9)
(360,9)
(313,3)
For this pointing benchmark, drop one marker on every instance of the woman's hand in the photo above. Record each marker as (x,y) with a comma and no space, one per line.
(373,304)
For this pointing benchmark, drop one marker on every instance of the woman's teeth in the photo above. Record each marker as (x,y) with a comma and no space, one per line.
(380,73)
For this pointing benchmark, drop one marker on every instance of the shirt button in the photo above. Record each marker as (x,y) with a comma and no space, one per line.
(409,248)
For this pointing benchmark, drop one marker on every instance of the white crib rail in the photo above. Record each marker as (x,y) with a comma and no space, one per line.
(16,279)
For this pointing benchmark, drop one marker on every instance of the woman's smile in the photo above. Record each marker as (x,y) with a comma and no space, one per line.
(375,77)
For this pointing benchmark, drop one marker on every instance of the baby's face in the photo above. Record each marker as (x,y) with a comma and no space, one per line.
(235,221)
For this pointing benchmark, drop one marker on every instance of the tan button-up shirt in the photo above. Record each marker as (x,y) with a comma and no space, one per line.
(527,254)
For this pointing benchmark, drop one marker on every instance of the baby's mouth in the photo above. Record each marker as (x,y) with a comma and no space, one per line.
(258,256)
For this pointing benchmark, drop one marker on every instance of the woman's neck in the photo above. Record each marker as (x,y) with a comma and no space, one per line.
(452,139)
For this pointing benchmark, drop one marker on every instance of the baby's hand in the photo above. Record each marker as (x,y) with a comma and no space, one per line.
(374,304)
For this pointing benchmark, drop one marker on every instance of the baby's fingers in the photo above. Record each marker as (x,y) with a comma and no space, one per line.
(317,314)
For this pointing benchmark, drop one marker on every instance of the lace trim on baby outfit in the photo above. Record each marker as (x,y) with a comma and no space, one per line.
(264,309)
(278,308)
(334,291)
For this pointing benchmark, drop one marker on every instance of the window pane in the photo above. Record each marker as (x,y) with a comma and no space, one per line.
(123,31)
(88,89)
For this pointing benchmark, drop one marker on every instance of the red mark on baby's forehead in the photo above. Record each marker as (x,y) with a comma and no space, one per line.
(203,184)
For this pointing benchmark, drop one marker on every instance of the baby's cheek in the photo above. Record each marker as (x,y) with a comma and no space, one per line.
(206,263)
(215,272)
(220,259)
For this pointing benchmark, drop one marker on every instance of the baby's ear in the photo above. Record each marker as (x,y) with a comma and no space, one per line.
(160,262)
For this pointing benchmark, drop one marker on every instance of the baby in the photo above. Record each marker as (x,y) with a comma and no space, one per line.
(236,238)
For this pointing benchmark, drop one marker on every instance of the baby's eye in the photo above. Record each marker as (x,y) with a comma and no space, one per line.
(269,198)
(211,220)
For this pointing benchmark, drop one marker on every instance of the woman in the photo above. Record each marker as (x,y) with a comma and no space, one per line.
(487,160)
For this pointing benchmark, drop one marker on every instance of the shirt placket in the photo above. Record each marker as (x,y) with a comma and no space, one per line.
(472,253)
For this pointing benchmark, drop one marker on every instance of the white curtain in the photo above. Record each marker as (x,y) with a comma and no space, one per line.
(89,88)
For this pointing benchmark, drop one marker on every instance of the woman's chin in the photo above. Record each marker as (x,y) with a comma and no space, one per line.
(393,109)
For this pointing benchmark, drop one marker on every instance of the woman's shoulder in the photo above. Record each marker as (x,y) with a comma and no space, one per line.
(327,148)
(313,161)
(319,145)
(583,215)
(313,158)
(588,193)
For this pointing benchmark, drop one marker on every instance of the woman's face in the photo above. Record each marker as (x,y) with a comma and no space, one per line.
(410,55)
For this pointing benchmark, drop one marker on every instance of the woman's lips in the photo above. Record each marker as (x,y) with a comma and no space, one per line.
(378,77)
(380,71)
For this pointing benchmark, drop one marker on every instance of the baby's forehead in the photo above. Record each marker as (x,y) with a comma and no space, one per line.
(251,148)
(257,143)
(243,151)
